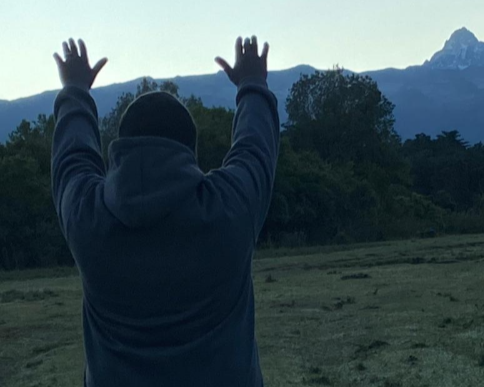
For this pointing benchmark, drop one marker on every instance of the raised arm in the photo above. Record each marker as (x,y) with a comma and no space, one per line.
(250,165)
(77,164)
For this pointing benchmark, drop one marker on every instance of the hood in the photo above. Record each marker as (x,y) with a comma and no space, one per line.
(148,178)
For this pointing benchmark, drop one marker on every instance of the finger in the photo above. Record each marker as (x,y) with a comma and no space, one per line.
(223,63)
(255,47)
(58,60)
(73,47)
(99,65)
(263,57)
(238,49)
(83,49)
(265,52)
(66,49)
(247,45)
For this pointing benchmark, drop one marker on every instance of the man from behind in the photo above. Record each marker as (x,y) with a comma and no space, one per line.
(165,251)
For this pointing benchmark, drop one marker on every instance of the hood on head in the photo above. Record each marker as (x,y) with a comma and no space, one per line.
(159,114)
(148,178)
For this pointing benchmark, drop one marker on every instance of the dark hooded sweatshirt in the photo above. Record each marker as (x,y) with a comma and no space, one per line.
(165,251)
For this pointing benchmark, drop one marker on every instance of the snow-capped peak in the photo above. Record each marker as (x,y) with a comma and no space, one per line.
(461,51)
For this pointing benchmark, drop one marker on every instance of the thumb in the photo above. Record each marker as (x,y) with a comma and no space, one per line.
(58,60)
(99,65)
(225,66)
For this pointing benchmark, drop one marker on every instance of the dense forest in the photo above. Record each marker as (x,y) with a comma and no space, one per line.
(343,176)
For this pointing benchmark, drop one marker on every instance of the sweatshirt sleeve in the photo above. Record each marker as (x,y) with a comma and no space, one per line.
(77,165)
(248,169)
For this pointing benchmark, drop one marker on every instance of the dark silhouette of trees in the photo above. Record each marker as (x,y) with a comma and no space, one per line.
(343,175)
(29,231)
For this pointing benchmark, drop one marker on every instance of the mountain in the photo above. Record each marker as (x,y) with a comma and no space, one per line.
(445,93)
(431,100)
(213,89)
(461,51)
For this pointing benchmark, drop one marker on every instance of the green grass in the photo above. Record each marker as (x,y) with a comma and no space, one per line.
(396,314)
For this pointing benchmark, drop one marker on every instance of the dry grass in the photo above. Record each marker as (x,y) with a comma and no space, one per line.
(400,314)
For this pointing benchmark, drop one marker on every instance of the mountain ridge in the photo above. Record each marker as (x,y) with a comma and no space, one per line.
(461,50)
(436,96)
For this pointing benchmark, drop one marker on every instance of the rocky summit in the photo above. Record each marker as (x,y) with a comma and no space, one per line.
(461,51)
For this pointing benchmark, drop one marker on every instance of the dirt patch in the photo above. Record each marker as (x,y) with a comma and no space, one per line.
(269,279)
(449,296)
(49,347)
(373,346)
(356,276)
(340,302)
(30,295)
(320,380)
(417,260)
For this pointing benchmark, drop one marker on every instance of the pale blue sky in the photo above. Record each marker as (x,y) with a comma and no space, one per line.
(181,37)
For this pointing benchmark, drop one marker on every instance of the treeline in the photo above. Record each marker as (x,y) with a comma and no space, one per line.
(344,175)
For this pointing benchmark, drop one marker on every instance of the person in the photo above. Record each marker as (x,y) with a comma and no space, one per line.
(164,251)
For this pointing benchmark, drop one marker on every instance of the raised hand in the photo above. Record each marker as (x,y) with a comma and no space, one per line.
(75,70)
(248,63)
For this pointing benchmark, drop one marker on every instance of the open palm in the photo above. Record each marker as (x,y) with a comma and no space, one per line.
(75,69)
(248,63)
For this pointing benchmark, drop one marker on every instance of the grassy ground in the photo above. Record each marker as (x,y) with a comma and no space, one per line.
(400,314)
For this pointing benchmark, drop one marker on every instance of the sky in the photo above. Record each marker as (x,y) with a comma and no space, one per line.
(163,39)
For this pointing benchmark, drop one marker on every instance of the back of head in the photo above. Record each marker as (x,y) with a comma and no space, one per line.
(162,115)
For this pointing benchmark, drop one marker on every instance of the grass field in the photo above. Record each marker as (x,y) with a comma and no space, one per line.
(399,314)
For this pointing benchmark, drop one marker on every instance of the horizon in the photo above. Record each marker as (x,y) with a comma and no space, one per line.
(139,77)
(358,37)
(149,77)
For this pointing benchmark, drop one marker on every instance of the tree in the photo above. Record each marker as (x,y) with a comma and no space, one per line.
(349,123)
(342,117)
(33,139)
(29,231)
(319,200)
(214,132)
(345,118)
(446,169)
